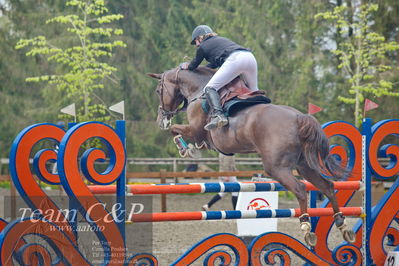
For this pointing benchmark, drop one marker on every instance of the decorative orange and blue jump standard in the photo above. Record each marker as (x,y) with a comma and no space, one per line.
(214,187)
(360,152)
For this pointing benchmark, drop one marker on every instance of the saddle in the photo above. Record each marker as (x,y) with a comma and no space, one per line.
(236,96)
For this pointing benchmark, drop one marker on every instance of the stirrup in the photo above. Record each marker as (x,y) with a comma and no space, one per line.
(217,121)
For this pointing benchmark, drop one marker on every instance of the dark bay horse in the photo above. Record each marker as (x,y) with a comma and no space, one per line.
(285,139)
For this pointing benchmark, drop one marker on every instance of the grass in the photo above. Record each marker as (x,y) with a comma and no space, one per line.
(286,195)
(5,184)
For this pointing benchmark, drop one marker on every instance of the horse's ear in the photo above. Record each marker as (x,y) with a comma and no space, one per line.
(155,76)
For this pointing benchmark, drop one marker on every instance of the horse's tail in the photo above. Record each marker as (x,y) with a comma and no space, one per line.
(315,148)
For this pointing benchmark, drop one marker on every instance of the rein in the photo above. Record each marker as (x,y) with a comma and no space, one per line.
(163,88)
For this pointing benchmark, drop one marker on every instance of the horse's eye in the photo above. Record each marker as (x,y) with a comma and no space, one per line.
(158,91)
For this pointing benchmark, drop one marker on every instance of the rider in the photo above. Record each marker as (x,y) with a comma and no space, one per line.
(232,59)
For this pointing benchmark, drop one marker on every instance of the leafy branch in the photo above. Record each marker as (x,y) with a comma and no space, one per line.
(362,55)
(83,66)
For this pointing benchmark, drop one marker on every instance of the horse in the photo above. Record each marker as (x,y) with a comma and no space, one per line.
(284,138)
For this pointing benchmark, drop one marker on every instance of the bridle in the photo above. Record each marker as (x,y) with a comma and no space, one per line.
(162,86)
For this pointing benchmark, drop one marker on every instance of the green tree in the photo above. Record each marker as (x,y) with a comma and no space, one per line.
(80,65)
(20,106)
(292,49)
(157,34)
(363,55)
(283,36)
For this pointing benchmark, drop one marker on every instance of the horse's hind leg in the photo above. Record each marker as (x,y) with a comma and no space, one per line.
(327,188)
(291,183)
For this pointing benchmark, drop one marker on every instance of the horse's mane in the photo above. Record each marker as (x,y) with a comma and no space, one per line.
(202,70)
(198,77)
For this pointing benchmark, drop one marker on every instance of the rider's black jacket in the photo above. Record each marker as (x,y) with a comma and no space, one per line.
(215,50)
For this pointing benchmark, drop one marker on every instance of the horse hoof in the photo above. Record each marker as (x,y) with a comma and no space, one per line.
(339,220)
(305,227)
(349,235)
(183,153)
(311,239)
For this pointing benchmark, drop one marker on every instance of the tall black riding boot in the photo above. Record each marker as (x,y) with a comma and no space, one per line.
(218,119)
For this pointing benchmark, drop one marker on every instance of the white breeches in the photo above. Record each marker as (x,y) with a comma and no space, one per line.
(238,63)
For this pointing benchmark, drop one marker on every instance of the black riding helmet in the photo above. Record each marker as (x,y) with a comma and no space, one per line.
(199,31)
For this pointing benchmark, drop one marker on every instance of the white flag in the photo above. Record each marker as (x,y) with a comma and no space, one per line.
(69,110)
(119,108)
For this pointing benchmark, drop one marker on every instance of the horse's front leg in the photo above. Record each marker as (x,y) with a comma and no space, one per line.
(180,132)
(183,130)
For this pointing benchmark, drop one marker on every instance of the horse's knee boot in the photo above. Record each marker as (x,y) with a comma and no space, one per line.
(218,119)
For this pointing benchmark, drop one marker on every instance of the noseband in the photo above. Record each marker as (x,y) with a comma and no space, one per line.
(161,108)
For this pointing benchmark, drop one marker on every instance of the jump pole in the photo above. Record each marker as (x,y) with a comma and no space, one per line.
(215,187)
(228,215)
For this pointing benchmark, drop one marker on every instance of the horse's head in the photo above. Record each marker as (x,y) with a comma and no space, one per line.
(170,97)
